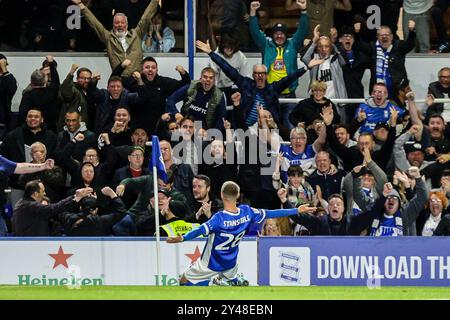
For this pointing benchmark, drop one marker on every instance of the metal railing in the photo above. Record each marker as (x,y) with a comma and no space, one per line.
(347,100)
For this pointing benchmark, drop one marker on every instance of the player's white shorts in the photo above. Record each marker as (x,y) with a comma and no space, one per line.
(199,272)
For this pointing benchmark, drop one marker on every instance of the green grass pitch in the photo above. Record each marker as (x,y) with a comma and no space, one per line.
(221,293)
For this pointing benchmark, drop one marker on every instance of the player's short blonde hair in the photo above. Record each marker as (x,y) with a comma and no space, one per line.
(230,191)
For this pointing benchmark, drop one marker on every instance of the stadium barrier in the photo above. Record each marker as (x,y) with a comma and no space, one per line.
(77,261)
(354,261)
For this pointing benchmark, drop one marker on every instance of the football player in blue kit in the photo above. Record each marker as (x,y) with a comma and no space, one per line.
(218,264)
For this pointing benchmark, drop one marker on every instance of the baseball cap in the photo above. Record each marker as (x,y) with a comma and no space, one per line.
(279,27)
(177,208)
(161,190)
(380,125)
(412,147)
(136,148)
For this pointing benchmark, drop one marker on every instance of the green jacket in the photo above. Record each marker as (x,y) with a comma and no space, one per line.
(73,98)
(116,54)
(145,184)
(269,49)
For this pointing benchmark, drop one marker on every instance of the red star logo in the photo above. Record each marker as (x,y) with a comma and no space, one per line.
(194,256)
(60,257)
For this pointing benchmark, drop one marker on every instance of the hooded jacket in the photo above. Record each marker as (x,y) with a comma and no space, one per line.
(65,136)
(337,61)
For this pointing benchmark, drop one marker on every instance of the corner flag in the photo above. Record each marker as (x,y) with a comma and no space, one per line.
(157,160)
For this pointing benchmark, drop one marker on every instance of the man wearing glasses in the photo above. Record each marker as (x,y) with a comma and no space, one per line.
(256,91)
(134,168)
(299,152)
(440,89)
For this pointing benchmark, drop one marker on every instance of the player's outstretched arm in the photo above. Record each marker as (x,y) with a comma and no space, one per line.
(305,208)
(202,230)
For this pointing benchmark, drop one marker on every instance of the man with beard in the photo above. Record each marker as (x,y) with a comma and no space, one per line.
(73,94)
(120,42)
(203,100)
(440,89)
(74,125)
(258,92)
(204,204)
(437,128)
(158,87)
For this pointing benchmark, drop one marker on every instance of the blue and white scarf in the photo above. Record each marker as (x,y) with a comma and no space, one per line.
(382,66)
(379,229)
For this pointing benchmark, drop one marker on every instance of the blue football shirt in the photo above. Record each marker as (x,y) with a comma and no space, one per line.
(375,115)
(225,230)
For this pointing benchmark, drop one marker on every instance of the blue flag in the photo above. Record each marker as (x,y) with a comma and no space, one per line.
(157,160)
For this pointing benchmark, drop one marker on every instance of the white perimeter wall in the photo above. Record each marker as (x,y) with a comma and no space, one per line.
(115,261)
(421,70)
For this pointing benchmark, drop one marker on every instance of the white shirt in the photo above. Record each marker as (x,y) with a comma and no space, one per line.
(123,42)
(237,61)
(324,74)
(431,225)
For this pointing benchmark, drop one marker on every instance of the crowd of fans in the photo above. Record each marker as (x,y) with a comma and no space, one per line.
(379,168)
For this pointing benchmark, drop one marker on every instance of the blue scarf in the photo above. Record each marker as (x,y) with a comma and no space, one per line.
(380,227)
(382,72)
